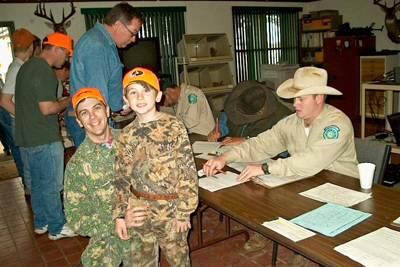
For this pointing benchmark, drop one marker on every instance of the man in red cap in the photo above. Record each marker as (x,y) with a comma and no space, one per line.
(38,134)
(22,40)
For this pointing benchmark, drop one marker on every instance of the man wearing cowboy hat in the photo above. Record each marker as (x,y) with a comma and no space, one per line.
(250,109)
(318,136)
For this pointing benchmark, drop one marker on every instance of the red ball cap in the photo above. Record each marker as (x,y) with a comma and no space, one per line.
(22,38)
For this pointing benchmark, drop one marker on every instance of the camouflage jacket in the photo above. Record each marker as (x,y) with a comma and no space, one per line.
(156,158)
(89,189)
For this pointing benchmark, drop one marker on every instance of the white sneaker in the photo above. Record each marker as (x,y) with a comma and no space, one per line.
(65,232)
(41,230)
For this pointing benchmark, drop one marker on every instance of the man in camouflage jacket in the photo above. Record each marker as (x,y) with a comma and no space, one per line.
(89,185)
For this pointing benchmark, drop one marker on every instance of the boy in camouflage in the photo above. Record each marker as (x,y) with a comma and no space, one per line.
(155,167)
(89,185)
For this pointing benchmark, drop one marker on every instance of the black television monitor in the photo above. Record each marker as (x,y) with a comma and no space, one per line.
(145,52)
(394,121)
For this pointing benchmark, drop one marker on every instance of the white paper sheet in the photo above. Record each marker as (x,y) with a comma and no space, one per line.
(218,181)
(204,156)
(274,181)
(224,149)
(239,166)
(205,147)
(331,193)
(288,229)
(376,249)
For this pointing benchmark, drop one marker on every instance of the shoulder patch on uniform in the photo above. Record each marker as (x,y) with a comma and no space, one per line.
(331,132)
(192,98)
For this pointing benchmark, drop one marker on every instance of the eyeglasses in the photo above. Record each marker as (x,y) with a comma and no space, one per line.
(133,33)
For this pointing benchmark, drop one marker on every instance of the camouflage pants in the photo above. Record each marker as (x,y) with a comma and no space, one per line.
(160,233)
(107,252)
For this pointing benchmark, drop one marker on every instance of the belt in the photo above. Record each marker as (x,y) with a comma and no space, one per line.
(149,196)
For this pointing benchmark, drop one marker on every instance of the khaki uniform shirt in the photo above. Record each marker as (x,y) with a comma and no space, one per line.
(329,146)
(194,111)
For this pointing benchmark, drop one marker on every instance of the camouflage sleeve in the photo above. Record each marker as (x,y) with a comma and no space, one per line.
(122,191)
(188,188)
(82,212)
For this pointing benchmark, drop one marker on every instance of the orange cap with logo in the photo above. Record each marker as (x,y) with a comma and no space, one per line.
(141,74)
(59,39)
(86,92)
(22,38)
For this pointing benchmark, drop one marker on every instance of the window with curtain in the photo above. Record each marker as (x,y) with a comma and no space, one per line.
(166,23)
(264,35)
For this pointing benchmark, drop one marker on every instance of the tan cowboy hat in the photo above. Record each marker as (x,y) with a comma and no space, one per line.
(249,102)
(307,81)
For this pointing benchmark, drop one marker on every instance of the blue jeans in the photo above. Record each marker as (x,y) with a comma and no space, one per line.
(74,130)
(46,163)
(8,123)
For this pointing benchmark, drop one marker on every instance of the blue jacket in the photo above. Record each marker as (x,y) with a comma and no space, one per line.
(96,63)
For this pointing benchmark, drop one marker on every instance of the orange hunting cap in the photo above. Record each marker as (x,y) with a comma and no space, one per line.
(86,92)
(59,39)
(22,38)
(141,74)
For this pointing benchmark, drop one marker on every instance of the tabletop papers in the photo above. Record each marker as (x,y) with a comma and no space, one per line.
(396,222)
(330,219)
(288,229)
(376,249)
(336,194)
(218,181)
(205,147)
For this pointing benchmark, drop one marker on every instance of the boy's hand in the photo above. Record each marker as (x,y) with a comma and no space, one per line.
(120,229)
(181,227)
(135,217)
(213,136)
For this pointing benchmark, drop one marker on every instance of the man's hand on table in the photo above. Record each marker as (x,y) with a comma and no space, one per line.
(230,140)
(249,171)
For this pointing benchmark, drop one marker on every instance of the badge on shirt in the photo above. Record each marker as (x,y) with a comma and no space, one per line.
(192,98)
(331,132)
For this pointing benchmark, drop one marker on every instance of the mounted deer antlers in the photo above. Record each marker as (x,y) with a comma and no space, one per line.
(392,24)
(57,27)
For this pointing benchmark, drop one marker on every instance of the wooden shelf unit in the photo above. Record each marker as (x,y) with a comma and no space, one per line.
(312,32)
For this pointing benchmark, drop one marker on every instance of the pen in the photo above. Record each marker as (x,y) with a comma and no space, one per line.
(213,176)
(218,170)
(216,125)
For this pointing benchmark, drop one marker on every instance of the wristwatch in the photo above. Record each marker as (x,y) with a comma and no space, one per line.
(121,216)
(264,168)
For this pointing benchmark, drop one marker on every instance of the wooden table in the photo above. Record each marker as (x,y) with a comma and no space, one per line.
(251,205)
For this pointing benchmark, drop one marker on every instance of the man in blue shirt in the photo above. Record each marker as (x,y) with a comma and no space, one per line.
(96,62)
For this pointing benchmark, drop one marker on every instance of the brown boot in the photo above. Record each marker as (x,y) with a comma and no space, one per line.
(256,242)
(296,260)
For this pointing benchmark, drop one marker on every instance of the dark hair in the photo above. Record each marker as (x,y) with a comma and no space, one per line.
(47,46)
(124,12)
(36,43)
(142,83)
